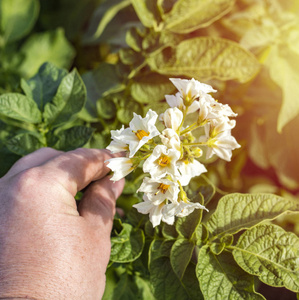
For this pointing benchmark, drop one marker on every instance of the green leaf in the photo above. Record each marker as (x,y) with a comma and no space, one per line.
(43,86)
(240,211)
(205,58)
(165,283)
(220,278)
(127,245)
(180,256)
(125,114)
(125,289)
(134,39)
(51,46)
(169,231)
(110,13)
(270,253)
(186,226)
(26,88)
(68,101)
(283,66)
(108,24)
(147,12)
(73,18)
(130,57)
(7,159)
(101,82)
(158,107)
(73,138)
(160,248)
(151,88)
(189,15)
(17,18)
(106,108)
(125,202)
(200,185)
(154,42)
(217,248)
(190,283)
(201,234)
(24,143)
(19,107)
(144,287)
(98,140)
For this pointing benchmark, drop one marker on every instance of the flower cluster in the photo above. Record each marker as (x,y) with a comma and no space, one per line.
(194,121)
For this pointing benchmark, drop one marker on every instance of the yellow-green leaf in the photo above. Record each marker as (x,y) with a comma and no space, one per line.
(180,256)
(204,58)
(240,211)
(147,11)
(189,15)
(221,278)
(50,46)
(283,64)
(270,253)
(17,17)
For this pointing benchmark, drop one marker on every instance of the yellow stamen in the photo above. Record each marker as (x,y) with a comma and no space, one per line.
(162,188)
(188,99)
(164,160)
(141,133)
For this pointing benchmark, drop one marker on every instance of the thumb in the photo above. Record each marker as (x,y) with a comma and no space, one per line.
(97,206)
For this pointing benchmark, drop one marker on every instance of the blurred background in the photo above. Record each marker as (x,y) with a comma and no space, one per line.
(126,51)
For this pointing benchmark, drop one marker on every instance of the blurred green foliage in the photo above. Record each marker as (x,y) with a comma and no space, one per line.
(70,72)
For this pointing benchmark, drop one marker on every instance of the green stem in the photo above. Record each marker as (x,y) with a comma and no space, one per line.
(183,120)
(140,177)
(219,191)
(194,144)
(190,128)
(146,156)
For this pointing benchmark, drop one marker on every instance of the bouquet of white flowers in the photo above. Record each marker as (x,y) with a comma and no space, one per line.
(171,157)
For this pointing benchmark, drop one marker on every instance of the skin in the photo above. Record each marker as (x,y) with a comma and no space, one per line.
(49,248)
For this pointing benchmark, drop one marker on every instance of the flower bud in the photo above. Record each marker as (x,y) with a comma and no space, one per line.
(196,152)
(170,139)
(173,118)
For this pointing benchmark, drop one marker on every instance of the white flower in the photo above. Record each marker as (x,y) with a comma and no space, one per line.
(212,109)
(172,118)
(157,190)
(170,139)
(216,126)
(177,101)
(116,144)
(162,211)
(219,139)
(222,146)
(162,162)
(121,166)
(189,170)
(191,89)
(223,110)
(186,208)
(141,130)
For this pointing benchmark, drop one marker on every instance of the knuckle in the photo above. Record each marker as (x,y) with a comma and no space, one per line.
(29,180)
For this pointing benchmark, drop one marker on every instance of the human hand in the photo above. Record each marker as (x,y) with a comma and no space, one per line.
(49,249)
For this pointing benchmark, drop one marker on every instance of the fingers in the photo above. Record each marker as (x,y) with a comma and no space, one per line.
(76,169)
(98,203)
(33,159)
